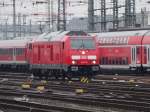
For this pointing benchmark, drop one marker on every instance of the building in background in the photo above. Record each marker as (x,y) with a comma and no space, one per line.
(142,21)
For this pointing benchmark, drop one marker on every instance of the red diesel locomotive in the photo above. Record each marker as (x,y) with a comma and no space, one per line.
(66,54)
(128,50)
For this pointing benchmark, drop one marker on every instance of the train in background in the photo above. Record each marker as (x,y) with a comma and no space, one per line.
(59,54)
(13,55)
(124,51)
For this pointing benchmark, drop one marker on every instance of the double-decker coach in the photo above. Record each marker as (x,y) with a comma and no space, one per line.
(125,50)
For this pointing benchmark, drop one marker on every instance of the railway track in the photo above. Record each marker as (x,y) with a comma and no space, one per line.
(122,95)
(134,77)
(63,102)
(102,98)
(35,107)
(85,100)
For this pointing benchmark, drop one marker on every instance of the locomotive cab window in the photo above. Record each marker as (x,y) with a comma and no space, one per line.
(82,44)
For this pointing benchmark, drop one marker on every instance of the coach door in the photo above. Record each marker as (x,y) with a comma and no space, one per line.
(14,54)
(148,55)
(133,56)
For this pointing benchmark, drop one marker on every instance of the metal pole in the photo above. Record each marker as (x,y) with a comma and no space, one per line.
(64,13)
(14,18)
(52,16)
(6,30)
(19,24)
(115,15)
(61,19)
(30,28)
(103,15)
(49,27)
(91,15)
(24,25)
(130,16)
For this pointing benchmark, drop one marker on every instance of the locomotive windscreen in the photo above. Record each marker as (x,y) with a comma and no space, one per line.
(82,44)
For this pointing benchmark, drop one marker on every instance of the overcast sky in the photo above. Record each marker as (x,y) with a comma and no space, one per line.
(73,9)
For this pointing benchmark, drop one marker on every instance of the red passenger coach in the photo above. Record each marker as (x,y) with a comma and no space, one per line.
(68,53)
(13,54)
(124,50)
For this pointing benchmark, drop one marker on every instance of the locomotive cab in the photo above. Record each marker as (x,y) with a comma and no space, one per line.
(83,55)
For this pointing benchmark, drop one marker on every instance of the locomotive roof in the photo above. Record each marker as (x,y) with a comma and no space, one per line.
(123,33)
(13,43)
(58,36)
(47,36)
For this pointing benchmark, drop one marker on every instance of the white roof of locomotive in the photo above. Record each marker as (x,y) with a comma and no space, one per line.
(121,33)
(13,43)
(52,36)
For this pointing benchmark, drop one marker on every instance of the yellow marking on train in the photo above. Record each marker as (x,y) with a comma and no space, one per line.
(84,80)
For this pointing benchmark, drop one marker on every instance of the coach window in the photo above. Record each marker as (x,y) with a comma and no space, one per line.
(113,61)
(19,51)
(137,50)
(145,50)
(106,61)
(1,51)
(120,61)
(123,62)
(10,51)
(126,60)
(109,61)
(4,51)
(117,61)
(102,60)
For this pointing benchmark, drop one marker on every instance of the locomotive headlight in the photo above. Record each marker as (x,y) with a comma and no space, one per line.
(73,62)
(94,62)
(83,52)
